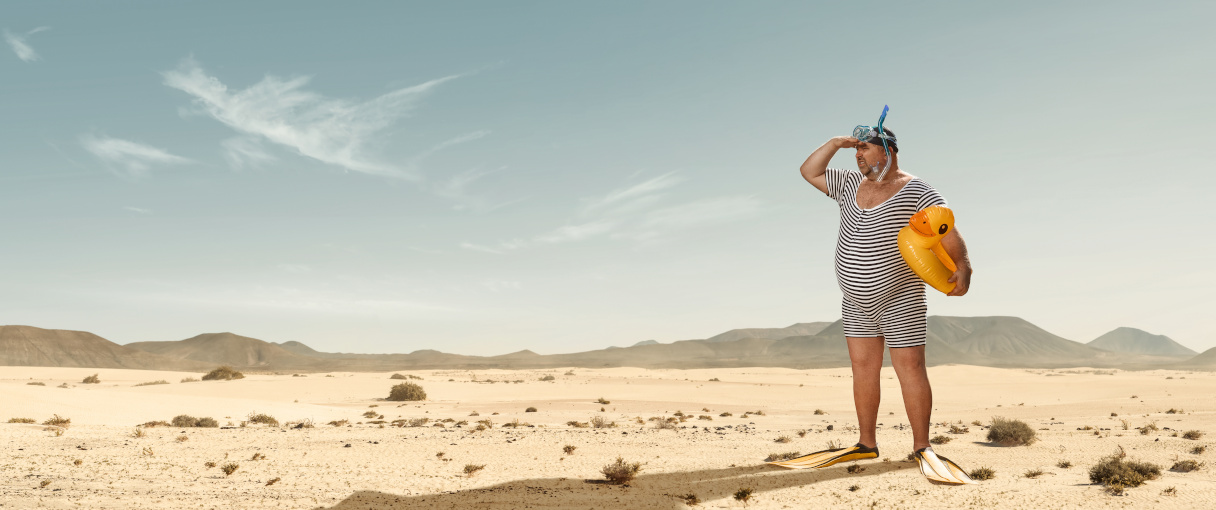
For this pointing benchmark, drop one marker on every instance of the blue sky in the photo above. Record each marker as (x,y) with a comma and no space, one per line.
(484,177)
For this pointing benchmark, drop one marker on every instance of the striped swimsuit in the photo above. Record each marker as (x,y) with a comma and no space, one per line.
(882,296)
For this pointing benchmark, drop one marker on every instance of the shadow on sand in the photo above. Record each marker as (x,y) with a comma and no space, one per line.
(659,490)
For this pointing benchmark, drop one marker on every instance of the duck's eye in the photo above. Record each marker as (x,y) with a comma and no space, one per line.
(942,229)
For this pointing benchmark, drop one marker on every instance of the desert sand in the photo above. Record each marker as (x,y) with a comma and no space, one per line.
(366,466)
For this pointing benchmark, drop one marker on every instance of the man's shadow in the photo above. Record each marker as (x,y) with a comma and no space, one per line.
(659,490)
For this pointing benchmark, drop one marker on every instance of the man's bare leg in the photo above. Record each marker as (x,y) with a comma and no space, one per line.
(909,363)
(866,356)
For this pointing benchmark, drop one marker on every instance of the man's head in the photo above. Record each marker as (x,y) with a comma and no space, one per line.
(871,157)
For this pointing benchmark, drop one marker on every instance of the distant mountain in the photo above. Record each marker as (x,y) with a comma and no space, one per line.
(229,349)
(298,348)
(1140,342)
(800,329)
(1011,341)
(1206,360)
(646,342)
(30,346)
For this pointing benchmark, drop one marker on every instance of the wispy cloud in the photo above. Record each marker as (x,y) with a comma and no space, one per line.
(636,213)
(139,210)
(295,268)
(132,159)
(23,50)
(246,152)
(333,131)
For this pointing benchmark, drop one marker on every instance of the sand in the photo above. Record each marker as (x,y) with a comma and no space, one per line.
(365,466)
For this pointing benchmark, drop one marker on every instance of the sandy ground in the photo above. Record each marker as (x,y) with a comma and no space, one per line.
(365,466)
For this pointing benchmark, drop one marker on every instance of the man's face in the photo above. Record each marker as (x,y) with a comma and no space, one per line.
(870,155)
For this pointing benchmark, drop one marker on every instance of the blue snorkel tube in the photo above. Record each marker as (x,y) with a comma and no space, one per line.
(867,134)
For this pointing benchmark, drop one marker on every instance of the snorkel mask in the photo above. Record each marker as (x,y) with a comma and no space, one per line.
(870,134)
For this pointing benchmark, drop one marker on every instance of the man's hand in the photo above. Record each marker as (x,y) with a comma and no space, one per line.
(846,142)
(961,280)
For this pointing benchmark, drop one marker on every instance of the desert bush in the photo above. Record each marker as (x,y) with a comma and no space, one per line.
(258,456)
(1186,466)
(223,373)
(396,376)
(44,483)
(782,439)
(1151,427)
(819,412)
(982,473)
(471,469)
(207,422)
(744,494)
(157,423)
(725,415)
(621,472)
(1064,464)
(370,414)
(339,423)
(189,379)
(77,462)
(1010,432)
(977,423)
(152,383)
(21,420)
(548,378)
(406,391)
(854,488)
(691,499)
(35,383)
(262,418)
(58,421)
(774,457)
(185,420)
(715,379)
(1192,435)
(64,386)
(664,425)
(1115,473)
(955,429)
(1198,450)
(230,468)
(941,439)
(530,410)
(272,481)
(569,449)
(1169,491)
(209,464)
(306,423)
(1174,411)
(705,417)
(600,423)
(855,468)
(92,379)
(601,400)
(1033,473)
(578,424)
(139,432)
(802,433)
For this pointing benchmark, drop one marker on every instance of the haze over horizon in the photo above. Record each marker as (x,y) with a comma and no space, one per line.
(486,178)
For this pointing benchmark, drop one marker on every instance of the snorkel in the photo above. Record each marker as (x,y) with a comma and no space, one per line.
(868,134)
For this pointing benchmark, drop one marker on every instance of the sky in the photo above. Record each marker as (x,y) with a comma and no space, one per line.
(486,177)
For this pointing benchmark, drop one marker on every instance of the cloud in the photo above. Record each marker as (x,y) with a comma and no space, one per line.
(139,210)
(333,131)
(242,152)
(570,233)
(134,159)
(702,212)
(633,197)
(22,48)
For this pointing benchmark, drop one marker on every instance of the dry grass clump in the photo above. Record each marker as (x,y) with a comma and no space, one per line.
(782,439)
(262,418)
(691,499)
(744,494)
(1151,427)
(223,373)
(1116,474)
(725,415)
(982,473)
(139,432)
(1192,435)
(35,383)
(152,383)
(774,457)
(406,391)
(21,420)
(569,449)
(621,472)
(955,429)
(92,379)
(258,456)
(602,401)
(578,424)
(600,422)
(819,412)
(855,468)
(548,378)
(1010,432)
(396,376)
(1064,464)
(157,423)
(44,483)
(1033,473)
(715,379)
(1170,491)
(77,462)
(665,425)
(209,464)
(371,414)
(58,421)
(183,438)
(941,439)
(1186,466)
(189,379)
(273,481)
(185,420)
(1198,450)
(230,468)
(339,423)
(471,469)
(64,386)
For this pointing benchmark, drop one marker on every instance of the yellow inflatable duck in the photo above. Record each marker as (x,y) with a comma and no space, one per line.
(920,243)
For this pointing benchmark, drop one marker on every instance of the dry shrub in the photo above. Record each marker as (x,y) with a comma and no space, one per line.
(185,420)
(1186,466)
(855,468)
(258,456)
(397,376)
(139,432)
(578,424)
(725,415)
(663,425)
(406,391)
(1115,473)
(273,481)
(209,464)
(92,379)
(705,417)
(691,499)
(955,429)
(1064,464)
(569,449)
(471,469)
(1192,435)
(152,383)
(207,422)
(982,473)
(600,423)
(21,420)
(744,494)
(230,468)
(621,472)
(530,410)
(189,379)
(1010,432)
(602,401)
(157,423)
(1033,473)
(77,462)
(35,383)
(58,421)
(774,457)
(548,378)
(370,414)
(44,483)
(262,418)
(339,423)
(1151,427)
(941,439)
(819,412)
(1198,450)
(223,373)
(782,439)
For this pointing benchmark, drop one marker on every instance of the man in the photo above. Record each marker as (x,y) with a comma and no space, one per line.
(884,301)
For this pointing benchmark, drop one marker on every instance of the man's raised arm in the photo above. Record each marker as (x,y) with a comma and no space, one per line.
(817,163)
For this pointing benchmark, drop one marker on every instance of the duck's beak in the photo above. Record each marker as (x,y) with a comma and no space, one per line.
(921,225)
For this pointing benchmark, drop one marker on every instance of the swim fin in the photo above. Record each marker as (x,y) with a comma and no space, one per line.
(826,458)
(940,469)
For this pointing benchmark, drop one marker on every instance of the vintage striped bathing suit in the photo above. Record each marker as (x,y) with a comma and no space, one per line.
(882,296)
